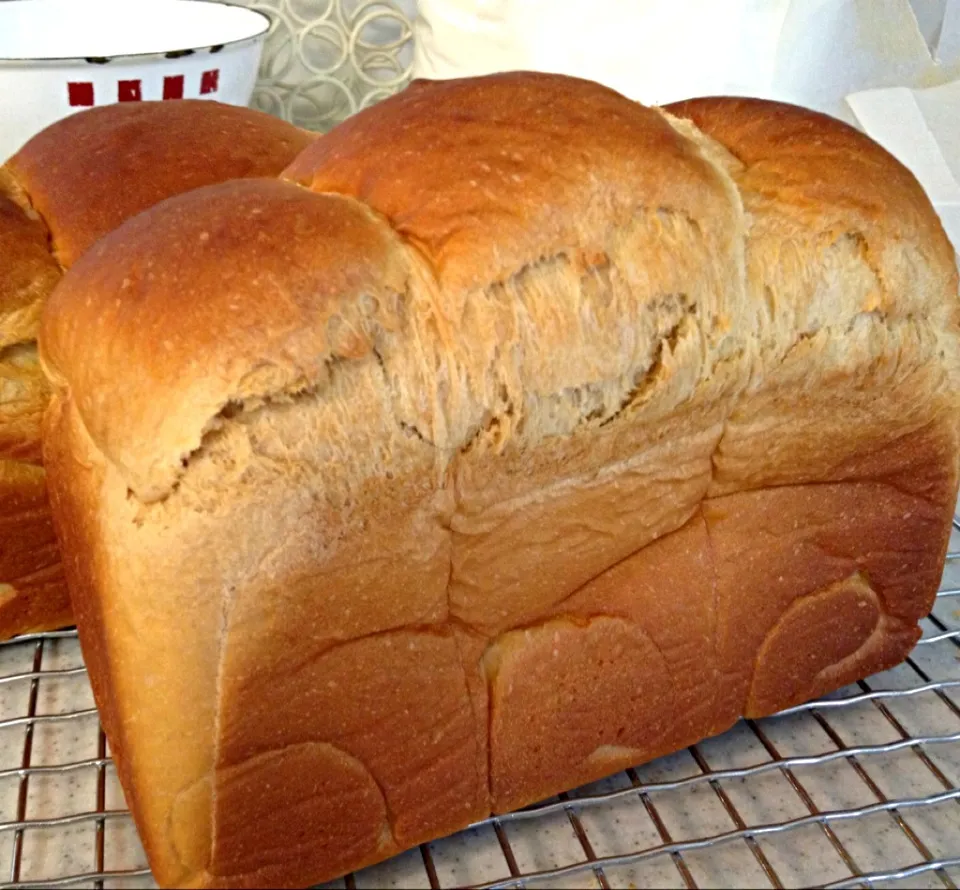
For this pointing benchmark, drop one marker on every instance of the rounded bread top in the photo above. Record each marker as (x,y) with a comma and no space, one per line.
(824,177)
(89,172)
(484,175)
(231,293)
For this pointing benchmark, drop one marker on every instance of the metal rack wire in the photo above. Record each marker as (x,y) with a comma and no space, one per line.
(856,790)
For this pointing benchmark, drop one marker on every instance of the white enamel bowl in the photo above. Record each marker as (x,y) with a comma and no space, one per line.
(58,57)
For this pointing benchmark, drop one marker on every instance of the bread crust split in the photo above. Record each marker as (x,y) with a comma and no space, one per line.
(66,188)
(518,435)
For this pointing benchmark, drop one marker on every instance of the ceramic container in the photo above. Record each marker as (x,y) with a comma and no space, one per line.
(58,57)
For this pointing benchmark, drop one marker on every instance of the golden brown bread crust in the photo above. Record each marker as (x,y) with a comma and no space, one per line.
(827,176)
(24,394)
(27,273)
(33,596)
(276,266)
(510,177)
(843,249)
(68,186)
(126,157)
(459,477)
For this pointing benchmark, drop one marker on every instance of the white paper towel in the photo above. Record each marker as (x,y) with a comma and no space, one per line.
(922,129)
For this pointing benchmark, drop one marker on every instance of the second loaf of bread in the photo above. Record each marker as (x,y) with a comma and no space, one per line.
(66,188)
(522,434)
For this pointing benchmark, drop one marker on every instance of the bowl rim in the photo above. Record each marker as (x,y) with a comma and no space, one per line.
(174,53)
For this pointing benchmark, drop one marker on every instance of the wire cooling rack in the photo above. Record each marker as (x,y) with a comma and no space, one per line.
(861,789)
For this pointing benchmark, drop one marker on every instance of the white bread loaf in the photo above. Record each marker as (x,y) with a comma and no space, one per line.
(67,187)
(521,435)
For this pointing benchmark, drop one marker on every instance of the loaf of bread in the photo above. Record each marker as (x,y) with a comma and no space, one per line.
(518,435)
(66,188)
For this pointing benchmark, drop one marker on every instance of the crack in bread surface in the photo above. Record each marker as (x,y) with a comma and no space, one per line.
(618,344)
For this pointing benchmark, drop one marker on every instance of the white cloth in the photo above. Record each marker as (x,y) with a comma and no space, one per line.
(812,52)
